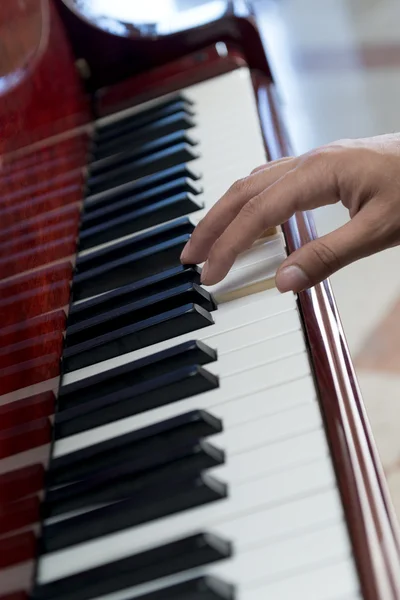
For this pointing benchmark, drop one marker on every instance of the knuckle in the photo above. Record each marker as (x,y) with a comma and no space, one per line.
(326,256)
(258,169)
(239,187)
(253,208)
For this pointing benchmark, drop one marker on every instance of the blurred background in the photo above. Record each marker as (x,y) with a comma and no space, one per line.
(337,68)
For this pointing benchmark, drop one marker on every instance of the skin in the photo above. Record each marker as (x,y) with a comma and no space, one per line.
(362,174)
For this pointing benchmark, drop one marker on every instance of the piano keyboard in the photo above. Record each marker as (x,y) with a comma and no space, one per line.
(189,457)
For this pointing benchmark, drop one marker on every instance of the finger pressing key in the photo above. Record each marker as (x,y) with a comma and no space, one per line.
(301,188)
(228,207)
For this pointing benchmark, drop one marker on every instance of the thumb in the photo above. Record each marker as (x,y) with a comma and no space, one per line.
(318,259)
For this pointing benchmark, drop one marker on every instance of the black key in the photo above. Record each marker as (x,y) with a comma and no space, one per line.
(126,480)
(139,186)
(98,215)
(145,448)
(161,327)
(128,156)
(142,118)
(139,219)
(200,588)
(132,267)
(115,380)
(186,553)
(129,139)
(141,241)
(187,293)
(144,506)
(162,390)
(133,292)
(174,155)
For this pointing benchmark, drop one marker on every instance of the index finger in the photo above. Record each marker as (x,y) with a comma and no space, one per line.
(228,207)
(307,186)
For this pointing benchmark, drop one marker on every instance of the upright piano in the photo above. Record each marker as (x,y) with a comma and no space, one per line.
(159,439)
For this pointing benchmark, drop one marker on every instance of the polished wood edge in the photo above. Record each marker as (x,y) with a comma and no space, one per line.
(371,520)
(214,60)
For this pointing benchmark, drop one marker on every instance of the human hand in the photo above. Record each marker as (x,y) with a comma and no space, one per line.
(363,174)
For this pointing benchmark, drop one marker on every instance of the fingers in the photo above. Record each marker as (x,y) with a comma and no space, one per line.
(318,259)
(275,162)
(228,207)
(302,188)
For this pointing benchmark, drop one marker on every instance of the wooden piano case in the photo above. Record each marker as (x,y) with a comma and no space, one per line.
(46,111)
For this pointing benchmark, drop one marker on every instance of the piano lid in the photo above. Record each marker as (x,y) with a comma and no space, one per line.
(116,39)
(28,23)
(154,18)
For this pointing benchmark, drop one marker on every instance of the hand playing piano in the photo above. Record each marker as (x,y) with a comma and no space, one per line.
(363,174)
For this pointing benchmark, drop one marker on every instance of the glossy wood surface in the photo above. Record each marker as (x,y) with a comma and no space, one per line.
(21,482)
(43,155)
(41,182)
(32,328)
(370,516)
(14,414)
(111,58)
(198,66)
(19,514)
(48,98)
(15,549)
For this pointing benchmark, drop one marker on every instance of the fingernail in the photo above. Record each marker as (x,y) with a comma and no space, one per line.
(204,272)
(292,278)
(185,252)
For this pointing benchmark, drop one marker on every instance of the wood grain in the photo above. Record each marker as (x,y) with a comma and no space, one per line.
(14,414)
(21,482)
(32,328)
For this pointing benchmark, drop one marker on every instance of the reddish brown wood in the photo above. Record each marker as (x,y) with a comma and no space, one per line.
(49,98)
(38,279)
(25,437)
(21,482)
(183,72)
(22,411)
(36,239)
(37,256)
(360,476)
(13,175)
(13,212)
(17,549)
(37,225)
(51,343)
(113,58)
(28,188)
(30,372)
(19,514)
(47,151)
(21,595)
(33,328)
(24,306)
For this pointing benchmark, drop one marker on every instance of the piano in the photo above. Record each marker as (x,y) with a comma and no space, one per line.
(162,440)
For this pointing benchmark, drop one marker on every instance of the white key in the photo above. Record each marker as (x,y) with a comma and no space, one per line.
(240,279)
(272,421)
(248,461)
(252,567)
(260,353)
(260,533)
(270,428)
(236,411)
(228,317)
(328,582)
(253,380)
(243,498)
